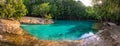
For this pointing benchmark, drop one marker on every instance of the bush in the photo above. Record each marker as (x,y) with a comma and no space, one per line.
(48,17)
(12,9)
(41,10)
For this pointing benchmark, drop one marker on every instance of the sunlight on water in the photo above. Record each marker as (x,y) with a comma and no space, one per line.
(87,35)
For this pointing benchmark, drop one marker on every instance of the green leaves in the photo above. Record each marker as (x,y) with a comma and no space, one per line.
(13,9)
(57,8)
(41,9)
(68,9)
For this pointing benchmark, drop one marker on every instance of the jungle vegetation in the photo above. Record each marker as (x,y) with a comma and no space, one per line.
(108,10)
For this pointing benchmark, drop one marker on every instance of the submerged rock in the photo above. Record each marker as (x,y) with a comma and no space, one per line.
(35,20)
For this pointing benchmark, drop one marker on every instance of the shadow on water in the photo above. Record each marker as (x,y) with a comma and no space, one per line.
(71,22)
(81,30)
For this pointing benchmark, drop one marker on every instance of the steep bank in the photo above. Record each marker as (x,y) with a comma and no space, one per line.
(35,20)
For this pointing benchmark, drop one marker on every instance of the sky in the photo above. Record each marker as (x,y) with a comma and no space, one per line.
(86,2)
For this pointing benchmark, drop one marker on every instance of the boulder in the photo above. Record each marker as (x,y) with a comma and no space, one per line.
(10,26)
(112,24)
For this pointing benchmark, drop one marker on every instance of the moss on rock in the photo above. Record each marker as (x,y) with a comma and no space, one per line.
(97,26)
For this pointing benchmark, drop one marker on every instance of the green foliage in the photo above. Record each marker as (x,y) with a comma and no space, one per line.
(57,8)
(109,10)
(30,5)
(53,10)
(12,9)
(71,9)
(48,17)
(42,9)
(68,9)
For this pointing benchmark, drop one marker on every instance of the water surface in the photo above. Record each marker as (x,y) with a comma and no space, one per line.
(61,30)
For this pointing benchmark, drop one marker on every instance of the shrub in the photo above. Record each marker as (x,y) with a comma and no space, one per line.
(12,9)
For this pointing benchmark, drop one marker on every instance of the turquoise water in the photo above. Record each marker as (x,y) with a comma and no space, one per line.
(61,30)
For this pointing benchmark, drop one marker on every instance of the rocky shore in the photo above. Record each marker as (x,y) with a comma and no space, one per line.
(10,26)
(35,20)
(12,35)
(108,36)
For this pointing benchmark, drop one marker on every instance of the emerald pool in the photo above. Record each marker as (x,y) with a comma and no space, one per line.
(61,30)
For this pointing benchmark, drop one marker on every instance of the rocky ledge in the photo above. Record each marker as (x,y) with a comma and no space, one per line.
(35,20)
(10,26)
(108,36)
(12,35)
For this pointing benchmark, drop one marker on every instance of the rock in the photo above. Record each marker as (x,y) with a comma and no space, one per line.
(1,36)
(10,26)
(35,20)
(105,37)
(115,33)
(112,24)
(19,31)
(18,40)
(109,24)
(10,35)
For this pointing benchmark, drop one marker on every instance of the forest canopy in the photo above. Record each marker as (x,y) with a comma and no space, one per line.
(101,10)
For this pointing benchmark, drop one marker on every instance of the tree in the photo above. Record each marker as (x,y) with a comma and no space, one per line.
(53,10)
(59,9)
(30,5)
(109,10)
(68,9)
(12,9)
(90,12)
(42,9)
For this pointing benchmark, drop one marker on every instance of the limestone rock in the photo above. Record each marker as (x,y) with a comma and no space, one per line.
(35,20)
(112,24)
(10,26)
(106,37)
(1,36)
